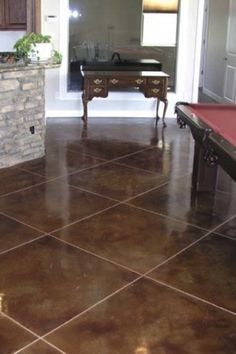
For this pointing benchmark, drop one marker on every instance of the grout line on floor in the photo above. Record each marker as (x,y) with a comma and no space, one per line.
(21,245)
(22,222)
(97,255)
(91,192)
(48,180)
(191,295)
(82,170)
(94,305)
(36,341)
(139,169)
(105,162)
(84,218)
(23,189)
(163,184)
(166,216)
(3,314)
(119,157)
(186,248)
(31,172)
(218,234)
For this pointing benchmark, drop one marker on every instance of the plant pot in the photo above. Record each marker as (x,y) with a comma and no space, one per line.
(40,52)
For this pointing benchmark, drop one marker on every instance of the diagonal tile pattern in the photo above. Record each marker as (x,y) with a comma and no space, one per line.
(14,233)
(52,205)
(228,229)
(147,318)
(175,199)
(45,283)
(60,163)
(40,347)
(208,265)
(116,181)
(104,249)
(114,233)
(13,179)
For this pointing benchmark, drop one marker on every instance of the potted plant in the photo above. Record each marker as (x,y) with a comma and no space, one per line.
(56,57)
(34,47)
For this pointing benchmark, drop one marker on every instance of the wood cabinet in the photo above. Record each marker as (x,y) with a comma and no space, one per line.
(13,15)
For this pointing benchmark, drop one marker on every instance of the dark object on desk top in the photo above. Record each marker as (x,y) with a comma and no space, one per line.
(122,65)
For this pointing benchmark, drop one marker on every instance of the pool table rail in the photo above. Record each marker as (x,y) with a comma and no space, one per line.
(211,149)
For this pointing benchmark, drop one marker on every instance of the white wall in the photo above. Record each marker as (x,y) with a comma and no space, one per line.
(61,103)
(8,39)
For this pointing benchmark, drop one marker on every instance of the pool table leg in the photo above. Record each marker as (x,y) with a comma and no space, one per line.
(204,177)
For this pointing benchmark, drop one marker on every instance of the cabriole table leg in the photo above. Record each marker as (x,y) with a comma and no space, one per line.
(85,107)
(165,101)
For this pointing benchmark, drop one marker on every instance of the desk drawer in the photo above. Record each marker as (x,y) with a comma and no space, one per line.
(126,82)
(97,81)
(97,91)
(155,92)
(156,82)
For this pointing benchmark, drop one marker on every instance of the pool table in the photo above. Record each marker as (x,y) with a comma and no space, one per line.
(213,127)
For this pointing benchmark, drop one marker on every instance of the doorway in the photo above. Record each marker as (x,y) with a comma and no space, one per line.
(213,69)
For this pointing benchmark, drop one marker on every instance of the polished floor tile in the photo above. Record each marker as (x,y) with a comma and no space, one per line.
(13,233)
(45,283)
(13,179)
(115,232)
(161,160)
(52,205)
(206,270)
(86,286)
(12,336)
(176,200)
(60,163)
(228,229)
(107,149)
(147,318)
(116,181)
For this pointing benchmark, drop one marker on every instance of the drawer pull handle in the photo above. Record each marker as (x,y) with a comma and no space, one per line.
(155,90)
(155,82)
(97,90)
(139,81)
(97,81)
(114,81)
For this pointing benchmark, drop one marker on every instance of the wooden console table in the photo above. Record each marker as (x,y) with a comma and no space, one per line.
(150,83)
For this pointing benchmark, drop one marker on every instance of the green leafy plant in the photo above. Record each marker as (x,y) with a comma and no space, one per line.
(24,44)
(57,57)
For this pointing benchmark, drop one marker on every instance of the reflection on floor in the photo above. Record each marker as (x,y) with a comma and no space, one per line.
(104,249)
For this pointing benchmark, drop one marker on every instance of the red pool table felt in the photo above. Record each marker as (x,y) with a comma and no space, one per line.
(219,117)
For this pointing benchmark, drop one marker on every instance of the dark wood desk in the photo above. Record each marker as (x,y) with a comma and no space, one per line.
(150,83)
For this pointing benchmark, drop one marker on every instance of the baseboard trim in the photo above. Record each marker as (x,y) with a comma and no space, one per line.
(212,95)
(113,113)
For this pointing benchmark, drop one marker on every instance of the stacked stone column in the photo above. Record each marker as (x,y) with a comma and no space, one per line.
(22,114)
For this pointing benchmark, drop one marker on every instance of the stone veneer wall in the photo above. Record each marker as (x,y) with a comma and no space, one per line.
(21,107)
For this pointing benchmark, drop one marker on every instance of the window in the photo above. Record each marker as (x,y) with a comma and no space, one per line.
(159,29)
(159,23)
